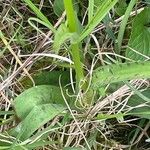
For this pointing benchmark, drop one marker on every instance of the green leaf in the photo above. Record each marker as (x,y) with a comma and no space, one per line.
(47,78)
(109,116)
(97,2)
(32,19)
(107,20)
(44,133)
(35,96)
(58,7)
(120,72)
(121,7)
(147,1)
(90,10)
(140,36)
(4,143)
(73,148)
(20,146)
(6,113)
(61,35)
(135,101)
(39,14)
(39,115)
(39,144)
(101,12)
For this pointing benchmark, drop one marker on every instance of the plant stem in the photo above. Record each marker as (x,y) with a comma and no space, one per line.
(77,63)
(75,50)
(123,25)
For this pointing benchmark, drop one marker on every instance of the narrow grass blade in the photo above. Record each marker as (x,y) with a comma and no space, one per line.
(102,10)
(90,10)
(39,14)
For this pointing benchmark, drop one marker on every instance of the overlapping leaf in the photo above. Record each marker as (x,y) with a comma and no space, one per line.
(140,37)
(35,107)
(35,96)
(47,78)
(37,117)
(140,107)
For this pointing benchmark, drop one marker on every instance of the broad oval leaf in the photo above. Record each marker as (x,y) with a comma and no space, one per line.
(140,36)
(35,96)
(38,116)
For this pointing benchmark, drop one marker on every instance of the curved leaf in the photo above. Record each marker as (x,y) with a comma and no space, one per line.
(39,14)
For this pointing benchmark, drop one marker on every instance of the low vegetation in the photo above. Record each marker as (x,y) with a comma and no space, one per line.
(74,75)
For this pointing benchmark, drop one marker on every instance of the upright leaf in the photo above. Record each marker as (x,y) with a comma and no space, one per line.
(101,12)
(58,7)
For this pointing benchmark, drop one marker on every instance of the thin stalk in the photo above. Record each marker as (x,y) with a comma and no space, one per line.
(123,25)
(75,50)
